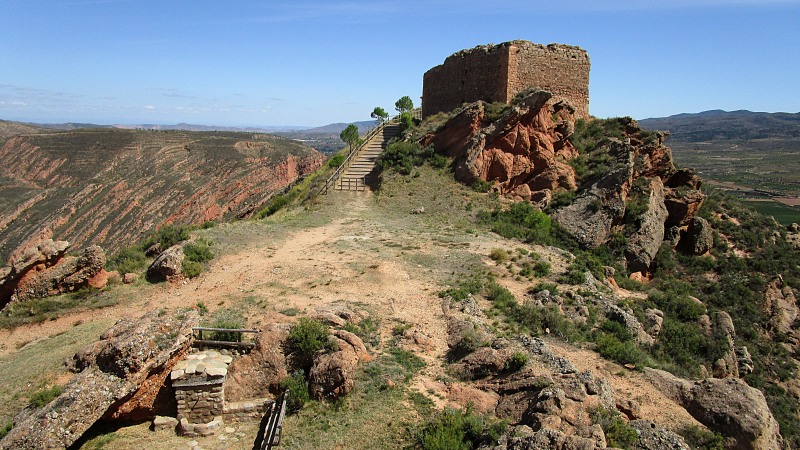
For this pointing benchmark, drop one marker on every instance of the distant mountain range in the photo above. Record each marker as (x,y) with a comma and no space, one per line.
(726,125)
(333,128)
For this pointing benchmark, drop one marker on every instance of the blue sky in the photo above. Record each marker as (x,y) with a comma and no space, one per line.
(301,62)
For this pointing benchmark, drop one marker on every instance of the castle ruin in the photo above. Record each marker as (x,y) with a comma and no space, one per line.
(495,73)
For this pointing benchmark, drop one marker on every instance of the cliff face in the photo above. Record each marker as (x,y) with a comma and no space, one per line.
(526,151)
(110,187)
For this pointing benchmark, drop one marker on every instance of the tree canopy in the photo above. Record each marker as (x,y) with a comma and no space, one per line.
(379,114)
(404,104)
(350,135)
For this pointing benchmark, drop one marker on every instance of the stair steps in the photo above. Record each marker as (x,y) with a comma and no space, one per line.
(360,173)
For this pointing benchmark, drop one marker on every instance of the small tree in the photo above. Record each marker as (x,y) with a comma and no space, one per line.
(379,114)
(404,104)
(350,135)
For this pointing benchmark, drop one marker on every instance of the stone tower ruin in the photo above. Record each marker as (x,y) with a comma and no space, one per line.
(495,73)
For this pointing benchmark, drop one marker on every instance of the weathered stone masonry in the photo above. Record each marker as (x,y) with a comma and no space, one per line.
(495,73)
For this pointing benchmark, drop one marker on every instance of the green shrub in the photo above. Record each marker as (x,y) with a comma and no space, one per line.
(4,431)
(198,251)
(307,337)
(521,221)
(438,161)
(459,430)
(44,396)
(275,205)
(296,386)
(516,362)
(225,318)
(482,186)
(573,276)
(618,433)
(191,269)
(700,439)
(336,161)
(464,288)
(403,157)
(406,120)
(562,198)
(498,254)
(626,352)
(128,260)
(551,287)
(167,236)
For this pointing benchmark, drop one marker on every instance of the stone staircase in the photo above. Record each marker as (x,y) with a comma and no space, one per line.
(359,174)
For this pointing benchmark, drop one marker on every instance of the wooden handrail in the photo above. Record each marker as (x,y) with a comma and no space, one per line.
(346,163)
(238,330)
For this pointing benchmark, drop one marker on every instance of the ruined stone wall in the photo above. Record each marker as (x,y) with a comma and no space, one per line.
(561,69)
(465,77)
(495,73)
(201,403)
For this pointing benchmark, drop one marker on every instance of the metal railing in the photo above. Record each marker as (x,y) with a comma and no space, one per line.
(271,428)
(353,153)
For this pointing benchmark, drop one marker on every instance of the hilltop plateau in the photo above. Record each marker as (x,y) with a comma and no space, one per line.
(110,187)
(519,279)
(752,155)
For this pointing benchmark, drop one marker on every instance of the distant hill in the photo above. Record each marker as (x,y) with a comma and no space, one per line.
(752,155)
(109,186)
(718,124)
(326,138)
(195,127)
(336,128)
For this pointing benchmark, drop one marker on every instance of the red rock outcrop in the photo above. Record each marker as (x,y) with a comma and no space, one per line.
(110,187)
(524,151)
(43,271)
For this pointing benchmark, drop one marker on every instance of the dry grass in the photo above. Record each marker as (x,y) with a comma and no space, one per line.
(40,364)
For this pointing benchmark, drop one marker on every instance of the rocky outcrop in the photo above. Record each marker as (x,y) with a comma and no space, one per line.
(642,172)
(259,373)
(698,237)
(43,271)
(35,258)
(652,436)
(109,187)
(132,357)
(332,374)
(523,151)
(726,406)
(781,306)
(643,244)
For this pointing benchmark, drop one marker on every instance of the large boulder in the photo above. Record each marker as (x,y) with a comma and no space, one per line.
(68,274)
(727,406)
(698,237)
(644,243)
(597,209)
(332,374)
(132,357)
(259,373)
(167,265)
(37,258)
